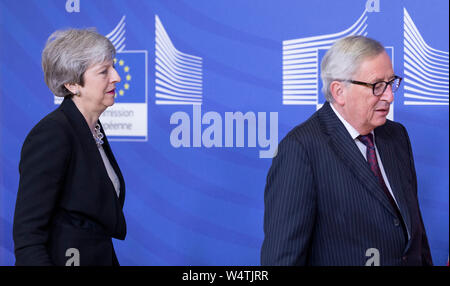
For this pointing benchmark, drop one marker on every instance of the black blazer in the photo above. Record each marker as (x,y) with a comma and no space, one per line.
(66,198)
(324,206)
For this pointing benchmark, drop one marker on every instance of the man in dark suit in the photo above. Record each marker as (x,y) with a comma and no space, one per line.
(342,189)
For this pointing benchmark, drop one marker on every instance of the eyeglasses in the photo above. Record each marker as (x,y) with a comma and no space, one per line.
(378,88)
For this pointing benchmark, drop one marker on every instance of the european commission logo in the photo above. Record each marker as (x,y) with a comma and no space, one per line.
(302,58)
(131,66)
(301,61)
(126,120)
(179,81)
(178,76)
(426,68)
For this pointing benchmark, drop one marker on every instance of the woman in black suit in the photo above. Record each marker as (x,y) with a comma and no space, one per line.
(71,191)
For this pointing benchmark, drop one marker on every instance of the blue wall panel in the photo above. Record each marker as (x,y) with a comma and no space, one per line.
(202,204)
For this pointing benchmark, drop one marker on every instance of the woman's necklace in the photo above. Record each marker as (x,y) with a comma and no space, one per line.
(98,136)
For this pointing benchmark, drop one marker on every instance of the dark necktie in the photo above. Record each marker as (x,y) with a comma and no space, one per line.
(373,164)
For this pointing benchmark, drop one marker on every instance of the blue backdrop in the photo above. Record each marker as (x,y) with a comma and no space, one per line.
(194,176)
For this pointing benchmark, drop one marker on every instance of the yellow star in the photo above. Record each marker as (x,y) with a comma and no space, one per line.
(126,86)
(121,92)
(121,62)
(128,77)
(126,69)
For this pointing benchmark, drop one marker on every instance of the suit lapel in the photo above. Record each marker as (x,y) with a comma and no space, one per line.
(114,164)
(121,227)
(79,124)
(385,146)
(344,146)
(81,128)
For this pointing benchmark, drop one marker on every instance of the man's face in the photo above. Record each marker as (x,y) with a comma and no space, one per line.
(361,108)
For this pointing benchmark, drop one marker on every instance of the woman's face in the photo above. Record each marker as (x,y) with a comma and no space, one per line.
(99,87)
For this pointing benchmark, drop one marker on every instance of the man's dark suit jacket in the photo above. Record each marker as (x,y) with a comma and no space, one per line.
(66,198)
(324,206)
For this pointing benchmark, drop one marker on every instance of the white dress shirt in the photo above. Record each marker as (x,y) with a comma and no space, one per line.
(354,134)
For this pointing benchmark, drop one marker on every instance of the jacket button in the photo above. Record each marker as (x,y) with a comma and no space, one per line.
(396,222)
